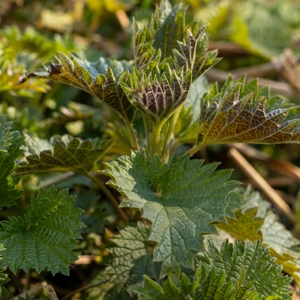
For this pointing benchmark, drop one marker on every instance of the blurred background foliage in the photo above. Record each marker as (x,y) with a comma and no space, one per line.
(251,35)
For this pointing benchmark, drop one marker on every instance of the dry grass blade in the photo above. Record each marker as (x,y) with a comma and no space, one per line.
(255,177)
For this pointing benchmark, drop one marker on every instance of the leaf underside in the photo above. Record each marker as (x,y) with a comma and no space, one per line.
(45,237)
(243,113)
(180,200)
(66,154)
(99,79)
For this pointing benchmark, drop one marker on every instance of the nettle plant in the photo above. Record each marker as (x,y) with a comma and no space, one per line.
(173,251)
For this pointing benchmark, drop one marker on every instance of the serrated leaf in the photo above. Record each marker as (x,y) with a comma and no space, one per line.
(237,271)
(245,226)
(251,263)
(169,27)
(131,258)
(241,113)
(157,95)
(283,246)
(180,199)
(10,150)
(45,237)
(168,56)
(100,79)
(65,154)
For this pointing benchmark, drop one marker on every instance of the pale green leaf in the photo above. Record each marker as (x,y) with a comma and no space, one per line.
(181,199)
(131,257)
(242,113)
(246,225)
(10,150)
(259,30)
(45,237)
(65,154)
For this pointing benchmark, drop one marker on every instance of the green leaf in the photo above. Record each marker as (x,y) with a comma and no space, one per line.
(245,226)
(237,271)
(244,263)
(241,113)
(45,237)
(169,27)
(180,199)
(168,56)
(131,257)
(65,154)
(10,143)
(283,246)
(100,79)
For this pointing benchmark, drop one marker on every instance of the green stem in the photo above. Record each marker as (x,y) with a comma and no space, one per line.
(133,139)
(169,132)
(154,138)
(108,194)
(195,149)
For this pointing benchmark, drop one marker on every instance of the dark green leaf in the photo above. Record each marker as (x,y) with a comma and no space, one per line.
(45,237)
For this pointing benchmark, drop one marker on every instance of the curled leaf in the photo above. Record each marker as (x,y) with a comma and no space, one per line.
(241,113)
